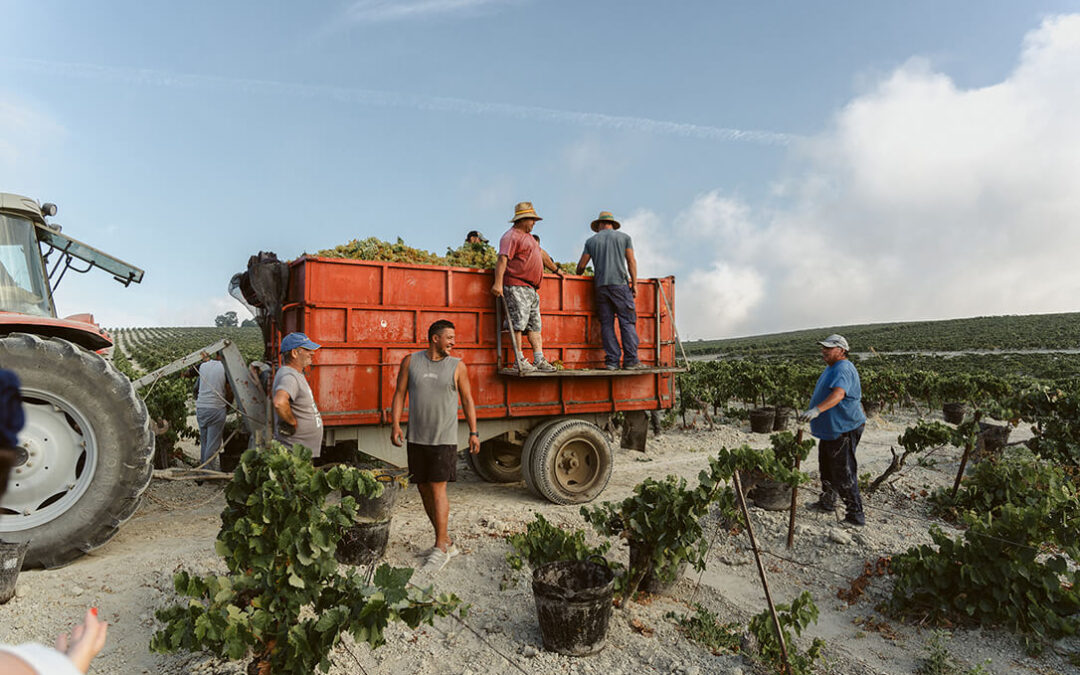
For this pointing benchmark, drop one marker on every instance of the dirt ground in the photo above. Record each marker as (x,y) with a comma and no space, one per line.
(176,525)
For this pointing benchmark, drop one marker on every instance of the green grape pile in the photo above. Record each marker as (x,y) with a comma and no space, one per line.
(374,248)
(476,256)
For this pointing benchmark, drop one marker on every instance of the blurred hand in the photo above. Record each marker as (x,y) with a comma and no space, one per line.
(396,437)
(497,290)
(85,640)
(474,444)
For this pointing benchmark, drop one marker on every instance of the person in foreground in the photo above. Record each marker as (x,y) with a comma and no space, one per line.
(837,419)
(76,649)
(433,381)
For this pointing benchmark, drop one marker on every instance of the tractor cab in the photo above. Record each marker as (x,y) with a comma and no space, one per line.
(24,288)
(34,257)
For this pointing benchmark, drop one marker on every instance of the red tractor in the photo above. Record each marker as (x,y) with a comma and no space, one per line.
(84,456)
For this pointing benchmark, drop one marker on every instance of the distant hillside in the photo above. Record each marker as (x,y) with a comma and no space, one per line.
(1033,331)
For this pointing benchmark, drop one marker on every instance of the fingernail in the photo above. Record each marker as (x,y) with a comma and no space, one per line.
(93,610)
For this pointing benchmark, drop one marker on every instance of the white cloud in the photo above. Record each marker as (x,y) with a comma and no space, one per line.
(203,312)
(371,11)
(923,200)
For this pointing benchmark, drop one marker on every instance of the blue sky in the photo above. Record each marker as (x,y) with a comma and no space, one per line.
(792,164)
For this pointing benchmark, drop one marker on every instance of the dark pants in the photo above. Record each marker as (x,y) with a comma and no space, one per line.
(611,302)
(839,472)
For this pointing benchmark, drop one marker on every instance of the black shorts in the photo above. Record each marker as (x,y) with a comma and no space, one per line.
(432,463)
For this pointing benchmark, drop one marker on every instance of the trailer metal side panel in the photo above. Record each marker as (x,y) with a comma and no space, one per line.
(368,315)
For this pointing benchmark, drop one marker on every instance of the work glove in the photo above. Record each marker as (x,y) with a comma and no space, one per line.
(809,414)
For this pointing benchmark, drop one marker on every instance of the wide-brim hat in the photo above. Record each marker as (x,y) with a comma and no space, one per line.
(524,210)
(604,217)
(835,340)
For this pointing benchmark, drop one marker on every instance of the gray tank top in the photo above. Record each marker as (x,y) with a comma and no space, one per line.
(433,400)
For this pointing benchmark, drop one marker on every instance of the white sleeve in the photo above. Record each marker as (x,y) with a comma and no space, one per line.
(43,660)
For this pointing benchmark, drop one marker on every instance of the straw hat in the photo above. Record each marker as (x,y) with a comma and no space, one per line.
(524,210)
(604,217)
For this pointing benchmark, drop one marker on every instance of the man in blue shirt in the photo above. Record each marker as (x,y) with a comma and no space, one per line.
(837,419)
(612,255)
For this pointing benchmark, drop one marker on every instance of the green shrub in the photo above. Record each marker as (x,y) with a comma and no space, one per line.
(542,543)
(704,628)
(994,574)
(794,617)
(284,600)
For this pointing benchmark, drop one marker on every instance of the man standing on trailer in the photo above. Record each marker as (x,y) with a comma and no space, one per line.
(615,267)
(837,419)
(518,273)
(433,381)
(296,417)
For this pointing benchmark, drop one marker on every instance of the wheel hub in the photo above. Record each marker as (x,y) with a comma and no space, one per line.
(54,463)
(21,456)
(576,465)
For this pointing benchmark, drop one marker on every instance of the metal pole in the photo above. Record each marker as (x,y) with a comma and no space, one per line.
(794,496)
(660,283)
(518,355)
(761,572)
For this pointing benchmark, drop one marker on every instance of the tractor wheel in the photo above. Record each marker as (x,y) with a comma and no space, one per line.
(84,456)
(499,461)
(526,452)
(570,463)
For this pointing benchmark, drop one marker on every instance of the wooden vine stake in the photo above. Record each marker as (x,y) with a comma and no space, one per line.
(761,572)
(794,497)
(968,447)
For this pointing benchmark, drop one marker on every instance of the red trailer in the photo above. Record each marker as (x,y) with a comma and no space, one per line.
(543,427)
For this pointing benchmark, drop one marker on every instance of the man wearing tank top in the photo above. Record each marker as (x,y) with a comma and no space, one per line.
(433,381)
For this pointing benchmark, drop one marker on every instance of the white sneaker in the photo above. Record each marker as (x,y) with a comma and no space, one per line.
(544,366)
(437,559)
(524,367)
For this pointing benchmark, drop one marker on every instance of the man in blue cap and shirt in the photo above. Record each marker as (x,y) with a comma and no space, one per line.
(296,417)
(837,419)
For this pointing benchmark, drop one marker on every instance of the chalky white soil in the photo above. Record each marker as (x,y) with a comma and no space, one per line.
(131,577)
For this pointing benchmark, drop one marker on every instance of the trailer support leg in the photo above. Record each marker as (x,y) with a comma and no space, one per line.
(635,430)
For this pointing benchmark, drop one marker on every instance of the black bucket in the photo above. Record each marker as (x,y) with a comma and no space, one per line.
(954,412)
(771,495)
(783,419)
(363,543)
(573,604)
(382,507)
(663,581)
(762,420)
(993,437)
(11,560)
(871,407)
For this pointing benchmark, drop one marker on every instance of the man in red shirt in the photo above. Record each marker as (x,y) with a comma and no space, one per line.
(518,274)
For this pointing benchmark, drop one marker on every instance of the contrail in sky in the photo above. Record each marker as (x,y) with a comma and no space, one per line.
(389,99)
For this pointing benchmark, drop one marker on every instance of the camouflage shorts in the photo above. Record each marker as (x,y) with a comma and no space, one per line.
(522,308)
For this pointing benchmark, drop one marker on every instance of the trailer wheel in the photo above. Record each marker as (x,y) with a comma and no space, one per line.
(527,449)
(499,461)
(84,456)
(570,463)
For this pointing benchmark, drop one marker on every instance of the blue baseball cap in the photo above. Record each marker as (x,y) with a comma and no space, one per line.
(296,340)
